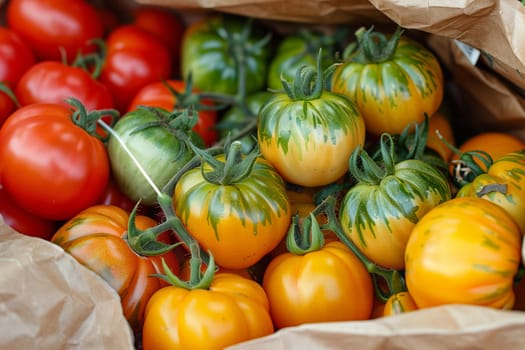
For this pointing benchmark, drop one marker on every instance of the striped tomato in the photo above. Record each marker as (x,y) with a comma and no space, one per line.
(393,81)
(464,251)
(378,213)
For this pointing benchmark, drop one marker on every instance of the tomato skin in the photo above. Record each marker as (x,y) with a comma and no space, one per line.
(379,216)
(330,284)
(15,56)
(440,122)
(508,171)
(134,58)
(205,53)
(464,251)
(22,221)
(399,303)
(238,223)
(94,237)
(394,93)
(156,149)
(48,25)
(305,155)
(232,310)
(62,168)
(156,94)
(53,82)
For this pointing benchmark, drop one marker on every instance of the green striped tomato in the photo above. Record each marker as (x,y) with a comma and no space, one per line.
(378,213)
(392,89)
(464,251)
(308,135)
(504,184)
(238,222)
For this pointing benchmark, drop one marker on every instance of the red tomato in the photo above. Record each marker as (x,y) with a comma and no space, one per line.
(156,94)
(15,56)
(166,25)
(48,165)
(133,59)
(49,26)
(53,82)
(22,221)
(113,196)
(7,104)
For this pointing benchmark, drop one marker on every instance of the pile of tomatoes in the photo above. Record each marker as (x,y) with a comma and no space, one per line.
(229,180)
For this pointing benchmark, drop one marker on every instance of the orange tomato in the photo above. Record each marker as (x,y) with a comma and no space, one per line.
(440,122)
(399,303)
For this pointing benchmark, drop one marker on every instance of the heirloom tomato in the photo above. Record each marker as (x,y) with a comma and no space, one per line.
(503,184)
(299,49)
(134,57)
(317,282)
(464,251)
(95,238)
(49,164)
(389,198)
(235,206)
(159,94)
(399,303)
(210,53)
(308,133)
(232,309)
(394,81)
(54,82)
(155,138)
(53,28)
(439,122)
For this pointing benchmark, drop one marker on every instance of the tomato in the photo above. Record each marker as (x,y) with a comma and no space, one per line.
(464,251)
(329,284)
(399,303)
(308,133)
(7,102)
(94,237)
(394,82)
(157,94)
(440,122)
(50,26)
(503,183)
(157,149)
(232,310)
(298,49)
(496,144)
(134,58)
(378,213)
(166,24)
(239,212)
(235,118)
(16,56)
(114,196)
(208,52)
(49,165)
(53,82)
(22,221)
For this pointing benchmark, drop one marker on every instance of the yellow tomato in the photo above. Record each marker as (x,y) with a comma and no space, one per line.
(399,303)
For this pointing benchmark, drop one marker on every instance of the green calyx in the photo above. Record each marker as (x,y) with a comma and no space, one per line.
(365,169)
(372,47)
(306,237)
(308,83)
(89,120)
(235,168)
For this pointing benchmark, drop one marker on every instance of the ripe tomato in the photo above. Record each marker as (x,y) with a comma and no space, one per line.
(465,251)
(49,26)
(394,82)
(166,24)
(232,310)
(15,56)
(239,218)
(308,134)
(53,82)
(134,58)
(378,213)
(440,122)
(330,284)
(208,53)
(399,303)
(94,237)
(7,102)
(22,221)
(157,94)
(50,166)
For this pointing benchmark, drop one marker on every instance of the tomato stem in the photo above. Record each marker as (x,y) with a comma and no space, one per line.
(306,237)
(9,92)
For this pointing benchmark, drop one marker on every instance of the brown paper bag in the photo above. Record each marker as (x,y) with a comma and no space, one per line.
(49,301)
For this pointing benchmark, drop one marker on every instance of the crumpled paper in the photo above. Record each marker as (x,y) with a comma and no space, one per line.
(50,301)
